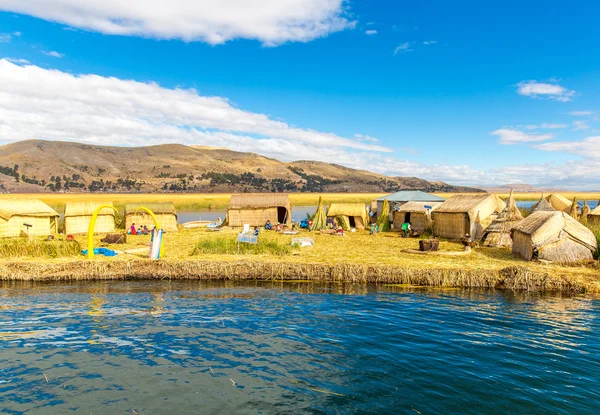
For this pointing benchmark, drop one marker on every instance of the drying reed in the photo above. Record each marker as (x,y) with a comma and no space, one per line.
(229,246)
(35,248)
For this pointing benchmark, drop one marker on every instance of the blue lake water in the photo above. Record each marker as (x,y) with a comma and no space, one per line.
(268,348)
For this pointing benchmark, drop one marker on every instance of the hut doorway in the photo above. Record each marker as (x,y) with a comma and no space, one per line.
(282,214)
(352,221)
(407,217)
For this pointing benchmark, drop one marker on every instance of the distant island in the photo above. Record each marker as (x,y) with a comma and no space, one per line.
(38,166)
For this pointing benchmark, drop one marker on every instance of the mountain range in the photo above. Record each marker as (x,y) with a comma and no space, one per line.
(33,166)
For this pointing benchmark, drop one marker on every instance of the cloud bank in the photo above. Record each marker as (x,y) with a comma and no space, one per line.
(271,22)
(535,89)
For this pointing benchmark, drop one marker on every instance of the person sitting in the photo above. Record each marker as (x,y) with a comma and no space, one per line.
(372,229)
(340,231)
(132,230)
(468,241)
(268,226)
(406,228)
(256,231)
(278,227)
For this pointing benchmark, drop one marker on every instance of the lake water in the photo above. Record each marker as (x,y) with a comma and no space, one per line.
(265,348)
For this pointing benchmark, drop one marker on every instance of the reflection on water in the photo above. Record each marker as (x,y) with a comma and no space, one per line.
(271,348)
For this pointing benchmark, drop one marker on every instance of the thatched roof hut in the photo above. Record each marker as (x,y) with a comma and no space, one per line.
(559,202)
(553,236)
(594,215)
(466,214)
(165,214)
(257,209)
(417,213)
(383,221)
(499,232)
(353,215)
(404,196)
(574,209)
(319,221)
(542,206)
(79,214)
(585,211)
(15,213)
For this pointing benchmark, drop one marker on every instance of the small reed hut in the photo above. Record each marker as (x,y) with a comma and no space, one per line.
(585,211)
(257,209)
(319,221)
(553,236)
(466,214)
(594,216)
(498,234)
(78,216)
(417,213)
(165,214)
(15,213)
(404,196)
(349,215)
(574,209)
(542,206)
(559,202)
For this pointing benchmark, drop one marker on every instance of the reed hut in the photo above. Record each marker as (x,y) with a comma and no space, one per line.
(404,196)
(498,234)
(165,214)
(585,211)
(574,210)
(542,206)
(594,216)
(349,215)
(559,202)
(553,236)
(383,221)
(79,214)
(417,213)
(466,214)
(16,213)
(257,209)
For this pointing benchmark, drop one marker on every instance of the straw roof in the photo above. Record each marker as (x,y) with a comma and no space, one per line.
(163,208)
(418,207)
(258,200)
(472,204)
(411,196)
(87,208)
(24,207)
(507,219)
(546,227)
(559,202)
(347,209)
(596,211)
(542,206)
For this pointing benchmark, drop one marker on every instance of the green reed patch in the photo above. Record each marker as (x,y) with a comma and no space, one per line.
(229,246)
(21,247)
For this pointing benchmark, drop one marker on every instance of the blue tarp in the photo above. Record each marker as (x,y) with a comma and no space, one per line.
(100,251)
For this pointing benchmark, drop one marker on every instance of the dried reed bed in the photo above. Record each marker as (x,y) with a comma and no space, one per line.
(37,248)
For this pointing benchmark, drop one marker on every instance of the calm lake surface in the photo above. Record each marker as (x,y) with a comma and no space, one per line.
(266,348)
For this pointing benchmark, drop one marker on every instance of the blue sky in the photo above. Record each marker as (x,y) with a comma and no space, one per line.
(470,93)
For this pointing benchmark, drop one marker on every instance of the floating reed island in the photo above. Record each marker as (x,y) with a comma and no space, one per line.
(357,257)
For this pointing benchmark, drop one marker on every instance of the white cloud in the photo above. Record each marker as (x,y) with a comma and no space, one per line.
(581,113)
(17,34)
(430,42)
(54,54)
(509,136)
(5,37)
(271,22)
(588,149)
(18,61)
(536,89)
(371,32)
(554,126)
(404,47)
(580,125)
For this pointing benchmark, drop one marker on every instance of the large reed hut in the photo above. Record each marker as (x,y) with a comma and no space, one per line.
(404,196)
(165,214)
(15,213)
(498,234)
(542,206)
(466,214)
(559,202)
(257,209)
(352,215)
(79,214)
(553,236)
(417,213)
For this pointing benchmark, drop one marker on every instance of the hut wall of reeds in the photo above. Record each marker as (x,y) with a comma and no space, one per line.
(466,214)
(165,214)
(417,214)
(353,215)
(14,213)
(79,214)
(498,234)
(553,236)
(257,209)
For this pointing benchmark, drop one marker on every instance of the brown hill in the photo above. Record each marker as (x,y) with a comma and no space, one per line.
(36,165)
